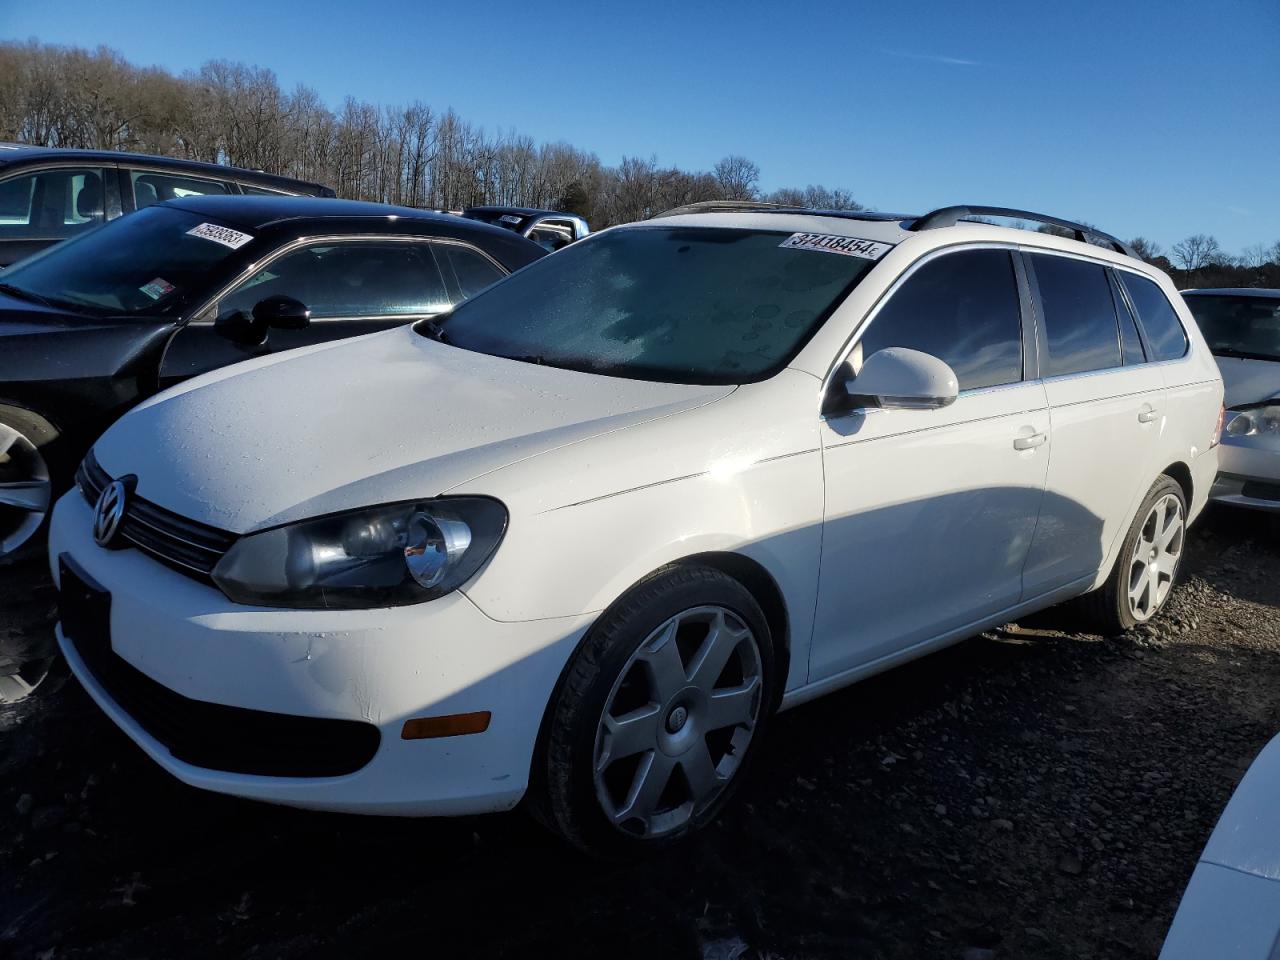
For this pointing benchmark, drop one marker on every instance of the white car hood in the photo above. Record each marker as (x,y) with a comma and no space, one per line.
(1249,381)
(391,416)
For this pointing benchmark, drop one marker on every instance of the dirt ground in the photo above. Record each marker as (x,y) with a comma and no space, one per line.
(1033,792)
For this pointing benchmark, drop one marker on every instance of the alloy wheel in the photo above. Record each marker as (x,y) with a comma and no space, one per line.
(1155,557)
(25,489)
(677,723)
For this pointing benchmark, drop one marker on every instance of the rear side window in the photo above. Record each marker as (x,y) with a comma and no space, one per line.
(1159,320)
(149,188)
(961,308)
(1130,338)
(1079,315)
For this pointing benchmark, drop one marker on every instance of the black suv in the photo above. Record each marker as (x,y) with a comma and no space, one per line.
(48,195)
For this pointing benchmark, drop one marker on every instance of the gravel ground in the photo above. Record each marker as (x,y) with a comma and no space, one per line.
(1034,792)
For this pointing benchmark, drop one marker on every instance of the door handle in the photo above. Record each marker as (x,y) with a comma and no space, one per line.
(1028,443)
(1147,414)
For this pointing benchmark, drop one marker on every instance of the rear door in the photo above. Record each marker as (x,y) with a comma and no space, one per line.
(1106,409)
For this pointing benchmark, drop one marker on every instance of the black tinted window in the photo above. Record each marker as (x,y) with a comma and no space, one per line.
(1164,331)
(1130,339)
(50,204)
(962,308)
(471,271)
(1079,315)
(149,188)
(359,279)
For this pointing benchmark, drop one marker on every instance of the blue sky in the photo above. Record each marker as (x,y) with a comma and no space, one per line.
(1159,117)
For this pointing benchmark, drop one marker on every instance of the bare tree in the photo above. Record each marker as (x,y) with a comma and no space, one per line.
(1147,250)
(1256,255)
(1196,252)
(738,178)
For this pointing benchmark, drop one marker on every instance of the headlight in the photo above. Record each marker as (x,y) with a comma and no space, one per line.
(1255,420)
(375,557)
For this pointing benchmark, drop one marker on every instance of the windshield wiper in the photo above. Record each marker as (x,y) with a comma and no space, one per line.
(1228,352)
(434,331)
(21,294)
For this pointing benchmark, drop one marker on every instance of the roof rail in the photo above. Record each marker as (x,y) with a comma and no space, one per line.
(721,206)
(950,216)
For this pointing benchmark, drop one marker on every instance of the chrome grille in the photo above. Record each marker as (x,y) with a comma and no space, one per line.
(186,545)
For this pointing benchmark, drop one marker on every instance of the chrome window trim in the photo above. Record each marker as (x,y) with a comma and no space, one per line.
(201,315)
(959,247)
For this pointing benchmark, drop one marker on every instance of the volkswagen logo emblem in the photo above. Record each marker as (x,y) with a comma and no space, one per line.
(109,512)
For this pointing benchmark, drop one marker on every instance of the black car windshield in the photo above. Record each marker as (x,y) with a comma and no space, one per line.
(147,263)
(677,304)
(1239,326)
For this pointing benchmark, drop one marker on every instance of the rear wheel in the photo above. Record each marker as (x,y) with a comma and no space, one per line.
(26,486)
(657,715)
(1145,571)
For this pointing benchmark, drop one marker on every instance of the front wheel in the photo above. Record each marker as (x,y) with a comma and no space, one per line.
(657,715)
(1145,571)
(26,481)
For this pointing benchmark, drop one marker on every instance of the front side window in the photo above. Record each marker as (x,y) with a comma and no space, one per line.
(150,188)
(962,308)
(51,204)
(1159,320)
(359,278)
(677,304)
(1239,326)
(145,264)
(1080,322)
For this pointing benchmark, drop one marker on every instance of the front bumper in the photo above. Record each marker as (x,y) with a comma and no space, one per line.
(1250,474)
(377,666)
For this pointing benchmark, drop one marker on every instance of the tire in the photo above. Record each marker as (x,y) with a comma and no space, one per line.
(31,474)
(1110,609)
(686,619)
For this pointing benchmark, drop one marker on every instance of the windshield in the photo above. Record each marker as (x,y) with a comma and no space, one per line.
(1237,326)
(678,304)
(148,263)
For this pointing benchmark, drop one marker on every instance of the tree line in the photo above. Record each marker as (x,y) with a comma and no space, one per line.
(413,154)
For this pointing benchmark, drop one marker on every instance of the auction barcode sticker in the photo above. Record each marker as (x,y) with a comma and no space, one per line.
(830,243)
(223,235)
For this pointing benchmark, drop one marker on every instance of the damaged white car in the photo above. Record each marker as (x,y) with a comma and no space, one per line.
(1242,328)
(580,538)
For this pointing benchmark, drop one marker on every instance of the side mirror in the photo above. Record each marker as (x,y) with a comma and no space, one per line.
(281,313)
(896,378)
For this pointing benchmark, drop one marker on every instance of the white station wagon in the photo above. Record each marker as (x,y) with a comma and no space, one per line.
(581,538)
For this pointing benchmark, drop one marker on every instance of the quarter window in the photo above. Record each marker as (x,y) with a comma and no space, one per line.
(1079,315)
(1130,339)
(355,279)
(962,308)
(471,271)
(1159,320)
(50,204)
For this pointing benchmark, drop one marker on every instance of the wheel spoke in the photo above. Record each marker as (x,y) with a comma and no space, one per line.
(734,706)
(646,790)
(1170,534)
(7,437)
(721,640)
(662,656)
(629,734)
(700,772)
(29,495)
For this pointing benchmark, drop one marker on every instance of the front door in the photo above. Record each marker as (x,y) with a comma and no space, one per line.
(929,514)
(351,287)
